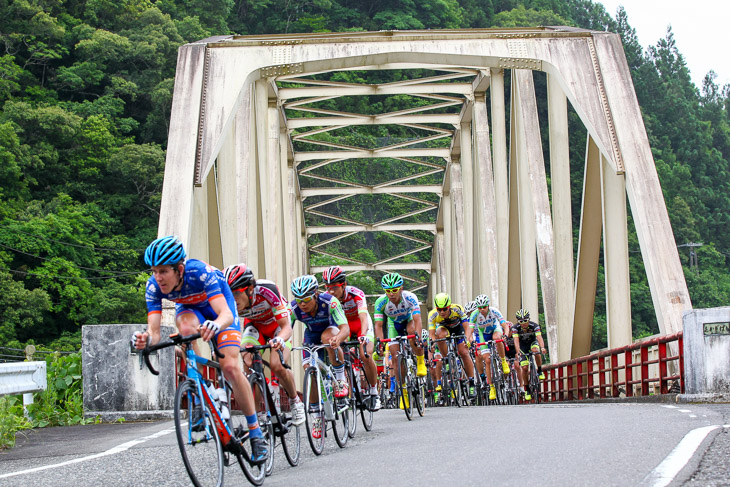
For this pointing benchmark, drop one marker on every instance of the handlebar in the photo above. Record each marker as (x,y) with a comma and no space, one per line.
(312,348)
(258,348)
(174,339)
(355,343)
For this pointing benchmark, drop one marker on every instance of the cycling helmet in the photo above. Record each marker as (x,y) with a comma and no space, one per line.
(482,300)
(164,251)
(238,276)
(470,307)
(392,280)
(334,275)
(522,315)
(304,286)
(442,300)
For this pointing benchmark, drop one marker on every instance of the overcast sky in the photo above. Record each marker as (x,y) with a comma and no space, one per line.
(699,28)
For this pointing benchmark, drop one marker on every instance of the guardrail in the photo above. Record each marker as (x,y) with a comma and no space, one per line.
(23,378)
(611,373)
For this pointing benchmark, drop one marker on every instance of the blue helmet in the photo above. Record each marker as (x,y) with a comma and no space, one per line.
(304,286)
(164,251)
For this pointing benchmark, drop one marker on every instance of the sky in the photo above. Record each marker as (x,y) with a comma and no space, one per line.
(699,28)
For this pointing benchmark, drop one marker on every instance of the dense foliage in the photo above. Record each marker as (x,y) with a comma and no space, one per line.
(86,88)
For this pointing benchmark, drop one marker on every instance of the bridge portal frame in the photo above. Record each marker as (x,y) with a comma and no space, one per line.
(228,131)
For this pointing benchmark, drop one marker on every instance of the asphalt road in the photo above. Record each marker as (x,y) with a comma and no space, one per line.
(550,445)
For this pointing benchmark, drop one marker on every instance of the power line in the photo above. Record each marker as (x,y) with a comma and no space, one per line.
(117,273)
(91,247)
(49,276)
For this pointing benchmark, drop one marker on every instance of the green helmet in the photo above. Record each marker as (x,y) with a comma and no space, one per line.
(442,300)
(392,280)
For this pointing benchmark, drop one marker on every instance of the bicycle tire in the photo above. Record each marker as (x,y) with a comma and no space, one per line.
(420,396)
(291,440)
(454,379)
(352,399)
(261,406)
(313,411)
(403,388)
(340,425)
(365,413)
(195,455)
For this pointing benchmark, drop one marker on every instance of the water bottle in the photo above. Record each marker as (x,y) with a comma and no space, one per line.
(328,409)
(275,391)
(223,399)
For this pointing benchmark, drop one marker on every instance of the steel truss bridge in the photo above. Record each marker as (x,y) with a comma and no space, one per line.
(257,144)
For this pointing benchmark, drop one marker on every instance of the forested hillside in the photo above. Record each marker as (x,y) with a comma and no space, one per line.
(86,89)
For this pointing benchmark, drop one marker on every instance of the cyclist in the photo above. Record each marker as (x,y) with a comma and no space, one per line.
(266,319)
(358,319)
(403,309)
(528,337)
(489,324)
(449,319)
(325,322)
(205,303)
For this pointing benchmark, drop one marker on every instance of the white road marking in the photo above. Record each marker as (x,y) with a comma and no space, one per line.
(670,407)
(665,472)
(692,415)
(111,451)
(685,411)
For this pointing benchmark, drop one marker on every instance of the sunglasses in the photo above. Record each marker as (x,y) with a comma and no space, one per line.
(483,307)
(440,310)
(333,286)
(305,299)
(523,321)
(393,291)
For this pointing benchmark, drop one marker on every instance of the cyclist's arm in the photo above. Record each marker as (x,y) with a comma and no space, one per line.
(337,314)
(153,327)
(224,318)
(518,350)
(285,328)
(378,318)
(538,335)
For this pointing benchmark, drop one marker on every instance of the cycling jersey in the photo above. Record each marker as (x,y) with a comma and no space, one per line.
(328,314)
(400,313)
(454,322)
(202,283)
(527,335)
(486,324)
(353,303)
(267,306)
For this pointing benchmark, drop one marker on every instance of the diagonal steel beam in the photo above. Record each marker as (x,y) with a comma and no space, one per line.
(413,251)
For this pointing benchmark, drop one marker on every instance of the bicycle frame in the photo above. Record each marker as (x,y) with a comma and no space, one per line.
(325,374)
(257,372)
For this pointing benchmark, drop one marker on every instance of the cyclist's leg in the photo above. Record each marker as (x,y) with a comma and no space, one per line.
(414,329)
(497,335)
(465,358)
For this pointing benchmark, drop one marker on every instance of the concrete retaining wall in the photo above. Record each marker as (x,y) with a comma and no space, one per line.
(707,351)
(114,385)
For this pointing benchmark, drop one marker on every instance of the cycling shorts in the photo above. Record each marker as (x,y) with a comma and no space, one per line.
(228,337)
(315,338)
(252,335)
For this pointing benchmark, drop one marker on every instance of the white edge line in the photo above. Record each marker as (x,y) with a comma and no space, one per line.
(111,451)
(670,407)
(664,473)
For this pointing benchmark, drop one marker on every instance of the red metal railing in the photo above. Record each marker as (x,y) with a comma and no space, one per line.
(604,374)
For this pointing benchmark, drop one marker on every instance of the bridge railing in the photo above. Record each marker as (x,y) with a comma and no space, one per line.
(648,367)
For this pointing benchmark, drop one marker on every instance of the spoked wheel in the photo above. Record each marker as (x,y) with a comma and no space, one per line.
(455,385)
(197,437)
(534,383)
(365,413)
(262,410)
(351,400)
(254,473)
(420,396)
(291,441)
(404,389)
(314,421)
(341,423)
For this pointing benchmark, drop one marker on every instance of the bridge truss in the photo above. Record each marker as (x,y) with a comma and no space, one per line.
(256,143)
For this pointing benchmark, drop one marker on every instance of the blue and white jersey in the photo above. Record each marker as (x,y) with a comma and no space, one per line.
(399,313)
(488,323)
(201,284)
(329,312)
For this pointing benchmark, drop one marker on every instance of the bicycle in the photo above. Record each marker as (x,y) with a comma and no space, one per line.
(533,379)
(276,418)
(358,383)
(319,387)
(409,387)
(202,419)
(496,373)
(453,377)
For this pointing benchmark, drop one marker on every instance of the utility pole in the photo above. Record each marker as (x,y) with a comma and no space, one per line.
(692,254)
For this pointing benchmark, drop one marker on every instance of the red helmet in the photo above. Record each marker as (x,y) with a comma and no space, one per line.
(239,276)
(334,275)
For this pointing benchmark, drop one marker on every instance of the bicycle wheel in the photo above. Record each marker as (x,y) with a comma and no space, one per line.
(261,405)
(404,388)
(351,399)
(201,450)
(454,379)
(313,407)
(365,413)
(341,423)
(420,396)
(291,441)
(534,381)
